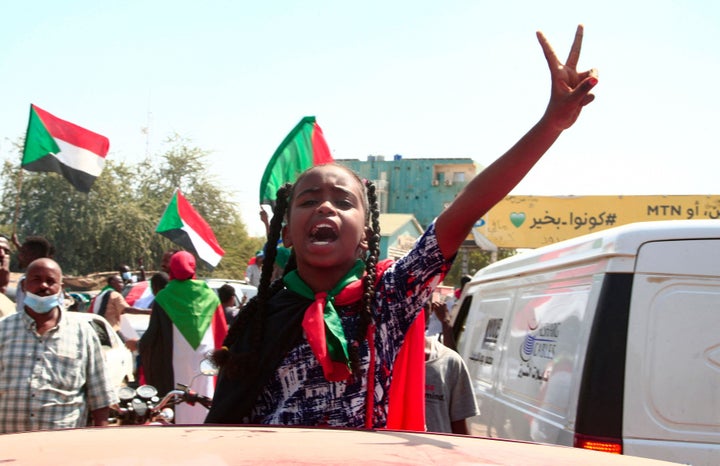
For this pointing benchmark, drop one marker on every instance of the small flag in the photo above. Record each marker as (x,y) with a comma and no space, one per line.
(301,149)
(182,225)
(55,145)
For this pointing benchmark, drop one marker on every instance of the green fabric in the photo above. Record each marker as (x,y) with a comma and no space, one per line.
(38,141)
(292,157)
(190,304)
(282,256)
(334,333)
(171,218)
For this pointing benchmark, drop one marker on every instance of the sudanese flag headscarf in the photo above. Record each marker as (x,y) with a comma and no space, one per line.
(190,303)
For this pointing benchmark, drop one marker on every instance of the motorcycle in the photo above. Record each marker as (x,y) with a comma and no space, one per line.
(143,406)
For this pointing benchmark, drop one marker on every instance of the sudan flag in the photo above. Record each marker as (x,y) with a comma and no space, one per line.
(302,148)
(183,225)
(55,145)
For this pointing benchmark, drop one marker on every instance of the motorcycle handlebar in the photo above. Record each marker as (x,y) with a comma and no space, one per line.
(185,395)
(137,411)
(167,399)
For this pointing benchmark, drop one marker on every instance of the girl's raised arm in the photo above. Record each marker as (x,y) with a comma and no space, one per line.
(569,94)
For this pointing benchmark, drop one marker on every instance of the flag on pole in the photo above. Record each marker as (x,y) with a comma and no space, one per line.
(183,225)
(55,145)
(301,149)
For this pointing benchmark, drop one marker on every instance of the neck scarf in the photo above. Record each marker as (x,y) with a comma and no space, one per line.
(322,324)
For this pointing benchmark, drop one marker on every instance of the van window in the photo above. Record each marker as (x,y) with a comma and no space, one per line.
(543,344)
(461,317)
(483,330)
(600,401)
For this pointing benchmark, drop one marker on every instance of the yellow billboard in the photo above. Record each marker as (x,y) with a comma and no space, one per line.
(534,221)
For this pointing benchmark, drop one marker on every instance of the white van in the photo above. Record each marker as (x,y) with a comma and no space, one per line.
(609,341)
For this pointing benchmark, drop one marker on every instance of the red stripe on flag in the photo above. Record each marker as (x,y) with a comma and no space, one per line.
(321,152)
(73,134)
(219,327)
(136,292)
(406,400)
(193,219)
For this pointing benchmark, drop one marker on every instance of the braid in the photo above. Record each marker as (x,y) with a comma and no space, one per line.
(366,314)
(273,239)
(241,363)
(237,363)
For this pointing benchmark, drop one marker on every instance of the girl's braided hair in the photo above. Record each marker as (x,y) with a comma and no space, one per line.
(237,363)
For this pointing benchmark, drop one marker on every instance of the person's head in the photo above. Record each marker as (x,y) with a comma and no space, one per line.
(182,266)
(165,263)
(158,282)
(327,218)
(34,247)
(226,293)
(116,282)
(332,218)
(42,286)
(125,273)
(259,258)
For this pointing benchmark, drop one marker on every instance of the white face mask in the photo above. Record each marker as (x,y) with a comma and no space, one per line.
(42,304)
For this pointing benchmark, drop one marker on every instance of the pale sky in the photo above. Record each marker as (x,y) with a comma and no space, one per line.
(418,78)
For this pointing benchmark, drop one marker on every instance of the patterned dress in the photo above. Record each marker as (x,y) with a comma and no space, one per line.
(297,393)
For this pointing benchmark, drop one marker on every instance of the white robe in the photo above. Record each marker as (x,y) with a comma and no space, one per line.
(186,368)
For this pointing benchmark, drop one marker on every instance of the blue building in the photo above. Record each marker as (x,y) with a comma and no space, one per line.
(422,187)
(411,193)
(398,233)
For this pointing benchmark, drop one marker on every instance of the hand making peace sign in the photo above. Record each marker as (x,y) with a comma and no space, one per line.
(570,89)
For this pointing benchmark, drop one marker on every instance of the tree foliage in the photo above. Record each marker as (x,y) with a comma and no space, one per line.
(115,222)
(476,260)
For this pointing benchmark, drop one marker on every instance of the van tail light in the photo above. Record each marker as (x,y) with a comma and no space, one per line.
(606,444)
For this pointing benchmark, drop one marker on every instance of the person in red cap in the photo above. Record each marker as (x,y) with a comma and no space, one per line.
(186,323)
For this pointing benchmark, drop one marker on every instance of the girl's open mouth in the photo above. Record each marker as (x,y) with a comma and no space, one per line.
(323,233)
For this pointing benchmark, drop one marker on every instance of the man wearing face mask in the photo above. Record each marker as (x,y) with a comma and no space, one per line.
(52,372)
(126,275)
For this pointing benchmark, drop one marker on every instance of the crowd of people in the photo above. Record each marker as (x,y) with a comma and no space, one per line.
(335,335)
(52,368)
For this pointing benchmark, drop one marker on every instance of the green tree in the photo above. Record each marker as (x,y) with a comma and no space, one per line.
(91,232)
(115,223)
(477,259)
(184,167)
(239,248)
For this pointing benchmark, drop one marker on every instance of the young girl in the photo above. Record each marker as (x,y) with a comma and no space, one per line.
(307,347)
